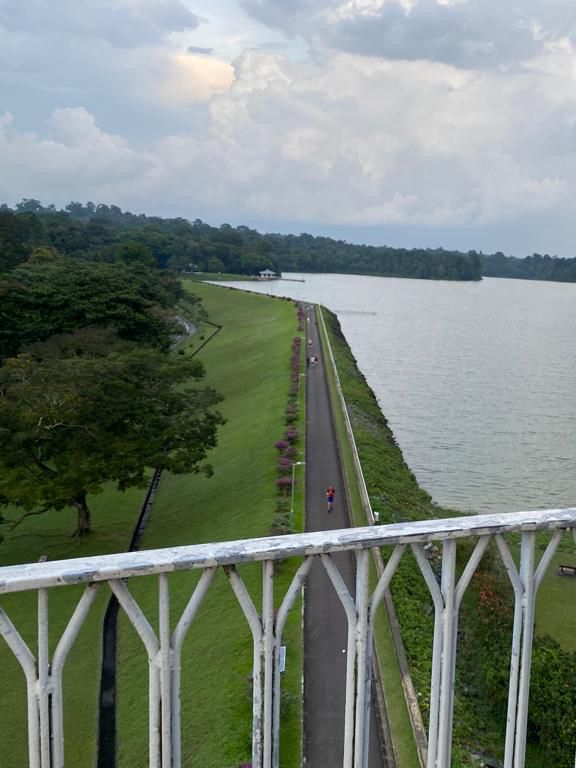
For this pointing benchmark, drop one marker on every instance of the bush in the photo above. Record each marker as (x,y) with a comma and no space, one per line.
(283,484)
(284,466)
(552,711)
(291,435)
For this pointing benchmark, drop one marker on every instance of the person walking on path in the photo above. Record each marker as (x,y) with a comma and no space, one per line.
(325,623)
(330,493)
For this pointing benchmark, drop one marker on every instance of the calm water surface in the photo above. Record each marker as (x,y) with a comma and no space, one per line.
(477,380)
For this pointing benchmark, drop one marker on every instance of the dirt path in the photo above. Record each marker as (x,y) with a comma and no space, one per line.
(325,626)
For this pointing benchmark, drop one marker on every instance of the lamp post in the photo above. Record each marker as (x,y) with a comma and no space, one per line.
(294,465)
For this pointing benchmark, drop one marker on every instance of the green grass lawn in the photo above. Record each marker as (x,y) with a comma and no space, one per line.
(556,593)
(114,515)
(248,362)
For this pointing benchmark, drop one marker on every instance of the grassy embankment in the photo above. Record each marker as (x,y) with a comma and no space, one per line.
(250,367)
(248,362)
(114,515)
(395,494)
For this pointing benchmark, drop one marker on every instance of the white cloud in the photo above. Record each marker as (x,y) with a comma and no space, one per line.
(349,140)
(123,23)
(73,157)
(466,33)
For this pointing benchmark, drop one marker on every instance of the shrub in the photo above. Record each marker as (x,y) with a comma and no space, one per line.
(281,445)
(284,466)
(291,435)
(283,484)
(281,525)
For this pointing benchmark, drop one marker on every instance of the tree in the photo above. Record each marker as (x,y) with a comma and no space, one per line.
(62,296)
(13,241)
(29,204)
(44,254)
(83,410)
(127,252)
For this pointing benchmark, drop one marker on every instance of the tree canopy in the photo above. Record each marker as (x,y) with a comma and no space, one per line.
(82,410)
(43,298)
(105,233)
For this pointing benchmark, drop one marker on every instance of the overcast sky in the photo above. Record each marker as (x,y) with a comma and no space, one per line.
(409,122)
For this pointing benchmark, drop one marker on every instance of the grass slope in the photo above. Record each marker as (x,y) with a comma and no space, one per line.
(248,362)
(114,515)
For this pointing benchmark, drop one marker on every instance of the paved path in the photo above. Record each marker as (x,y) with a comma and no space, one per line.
(325,626)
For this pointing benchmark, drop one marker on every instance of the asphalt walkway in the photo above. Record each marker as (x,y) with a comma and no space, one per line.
(325,625)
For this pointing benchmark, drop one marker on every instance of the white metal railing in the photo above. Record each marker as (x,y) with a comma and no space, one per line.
(44,675)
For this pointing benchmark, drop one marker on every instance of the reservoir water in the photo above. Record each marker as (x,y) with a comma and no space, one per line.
(477,380)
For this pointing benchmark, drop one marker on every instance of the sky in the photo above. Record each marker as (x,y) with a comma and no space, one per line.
(414,123)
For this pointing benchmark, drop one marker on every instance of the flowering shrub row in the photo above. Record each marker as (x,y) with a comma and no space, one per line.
(286,446)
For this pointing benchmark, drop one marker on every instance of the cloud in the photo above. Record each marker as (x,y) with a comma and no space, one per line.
(121,23)
(464,33)
(198,49)
(122,60)
(353,140)
(72,157)
(185,79)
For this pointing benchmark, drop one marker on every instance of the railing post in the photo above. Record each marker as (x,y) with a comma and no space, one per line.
(60,654)
(43,689)
(525,585)
(294,590)
(148,637)
(528,608)
(165,658)
(255,625)
(437,652)
(269,658)
(447,587)
(352,617)
(363,656)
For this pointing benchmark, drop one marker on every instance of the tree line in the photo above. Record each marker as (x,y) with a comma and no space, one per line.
(105,233)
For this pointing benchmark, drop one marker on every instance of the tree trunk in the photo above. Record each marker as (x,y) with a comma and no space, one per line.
(84,520)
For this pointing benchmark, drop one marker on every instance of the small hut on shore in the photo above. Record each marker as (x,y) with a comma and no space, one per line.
(267,274)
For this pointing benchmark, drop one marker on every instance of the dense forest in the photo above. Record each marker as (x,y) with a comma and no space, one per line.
(535,267)
(105,233)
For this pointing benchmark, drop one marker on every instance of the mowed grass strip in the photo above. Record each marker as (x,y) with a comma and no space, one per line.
(248,362)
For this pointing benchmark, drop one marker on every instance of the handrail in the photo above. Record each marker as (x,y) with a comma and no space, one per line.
(16,578)
(351,439)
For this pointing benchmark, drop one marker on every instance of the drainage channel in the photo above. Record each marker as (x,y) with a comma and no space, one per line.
(107,699)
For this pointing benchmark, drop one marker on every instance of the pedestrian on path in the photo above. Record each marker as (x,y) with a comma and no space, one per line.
(330,493)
